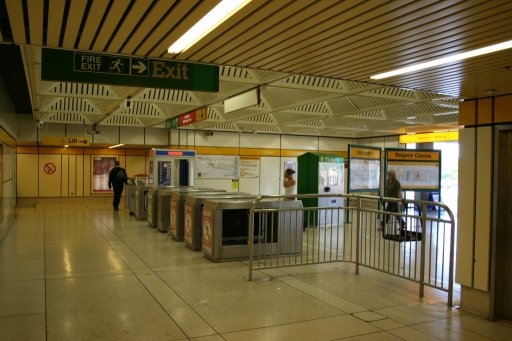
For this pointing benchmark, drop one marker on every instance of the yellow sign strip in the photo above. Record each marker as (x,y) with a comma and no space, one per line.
(413,155)
(430,137)
(364,153)
(63,141)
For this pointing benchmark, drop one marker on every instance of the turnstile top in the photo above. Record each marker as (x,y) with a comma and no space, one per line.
(157,189)
(167,190)
(237,203)
(194,198)
(242,203)
(177,194)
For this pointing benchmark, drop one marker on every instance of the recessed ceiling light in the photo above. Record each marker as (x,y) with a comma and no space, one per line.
(436,62)
(219,14)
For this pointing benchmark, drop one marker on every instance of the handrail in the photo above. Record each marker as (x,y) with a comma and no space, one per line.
(365,225)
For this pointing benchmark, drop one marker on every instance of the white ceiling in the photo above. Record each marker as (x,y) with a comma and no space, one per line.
(310,59)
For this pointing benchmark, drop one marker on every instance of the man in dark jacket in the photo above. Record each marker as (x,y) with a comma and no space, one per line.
(117,178)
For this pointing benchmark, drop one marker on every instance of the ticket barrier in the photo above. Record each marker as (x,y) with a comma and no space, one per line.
(164,209)
(131,192)
(152,201)
(129,195)
(141,202)
(192,210)
(225,224)
(177,204)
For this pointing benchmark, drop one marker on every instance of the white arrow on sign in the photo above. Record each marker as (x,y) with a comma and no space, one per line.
(141,67)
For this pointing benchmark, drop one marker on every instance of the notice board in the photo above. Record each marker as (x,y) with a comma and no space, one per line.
(364,168)
(217,167)
(417,170)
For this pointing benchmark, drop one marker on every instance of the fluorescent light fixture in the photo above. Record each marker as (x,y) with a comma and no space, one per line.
(117,145)
(219,14)
(445,113)
(436,62)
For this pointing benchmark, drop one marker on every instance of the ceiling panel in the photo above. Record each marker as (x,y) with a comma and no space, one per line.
(311,61)
(56,8)
(75,15)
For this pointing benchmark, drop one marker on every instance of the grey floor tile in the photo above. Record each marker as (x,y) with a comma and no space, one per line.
(322,329)
(111,277)
(22,298)
(26,327)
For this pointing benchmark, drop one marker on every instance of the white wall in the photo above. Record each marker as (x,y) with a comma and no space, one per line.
(272,150)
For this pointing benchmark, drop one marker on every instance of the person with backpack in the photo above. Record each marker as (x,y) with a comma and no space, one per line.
(117,178)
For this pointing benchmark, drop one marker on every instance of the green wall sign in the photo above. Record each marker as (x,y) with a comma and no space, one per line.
(70,66)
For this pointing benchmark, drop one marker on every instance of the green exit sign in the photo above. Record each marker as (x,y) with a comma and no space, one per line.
(172,123)
(70,66)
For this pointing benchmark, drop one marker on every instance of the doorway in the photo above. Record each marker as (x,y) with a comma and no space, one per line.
(502,227)
(449,173)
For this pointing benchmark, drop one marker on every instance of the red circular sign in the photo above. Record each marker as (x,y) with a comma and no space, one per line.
(49,168)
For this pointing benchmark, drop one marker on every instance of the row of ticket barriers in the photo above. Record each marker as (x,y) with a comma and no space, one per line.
(216,222)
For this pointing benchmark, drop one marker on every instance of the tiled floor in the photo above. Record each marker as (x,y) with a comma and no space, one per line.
(76,270)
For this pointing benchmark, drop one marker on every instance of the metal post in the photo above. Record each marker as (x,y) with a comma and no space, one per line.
(452,251)
(250,238)
(358,232)
(423,248)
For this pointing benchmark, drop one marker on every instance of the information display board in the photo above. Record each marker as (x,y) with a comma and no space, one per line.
(217,167)
(417,170)
(364,168)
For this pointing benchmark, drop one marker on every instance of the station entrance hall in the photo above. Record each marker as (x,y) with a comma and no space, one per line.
(296,170)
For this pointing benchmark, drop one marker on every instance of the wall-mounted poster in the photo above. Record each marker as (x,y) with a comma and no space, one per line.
(416,169)
(164,173)
(249,167)
(101,166)
(364,168)
(217,167)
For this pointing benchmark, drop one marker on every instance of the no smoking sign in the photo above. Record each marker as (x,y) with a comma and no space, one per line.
(49,168)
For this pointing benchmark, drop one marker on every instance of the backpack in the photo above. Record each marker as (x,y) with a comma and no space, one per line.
(121,175)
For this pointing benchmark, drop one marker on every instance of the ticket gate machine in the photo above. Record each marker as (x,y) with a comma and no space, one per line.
(152,201)
(225,225)
(165,204)
(176,226)
(192,210)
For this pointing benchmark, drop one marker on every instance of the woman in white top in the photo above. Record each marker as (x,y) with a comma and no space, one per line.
(289,182)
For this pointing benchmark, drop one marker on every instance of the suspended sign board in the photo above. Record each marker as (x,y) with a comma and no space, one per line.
(186,119)
(245,100)
(71,66)
(430,137)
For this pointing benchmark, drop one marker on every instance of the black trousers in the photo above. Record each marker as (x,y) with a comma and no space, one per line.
(392,207)
(118,191)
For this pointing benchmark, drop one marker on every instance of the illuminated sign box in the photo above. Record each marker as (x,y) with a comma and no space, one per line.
(166,152)
(430,137)
(245,100)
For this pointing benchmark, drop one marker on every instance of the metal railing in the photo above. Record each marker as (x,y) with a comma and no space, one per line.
(357,231)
